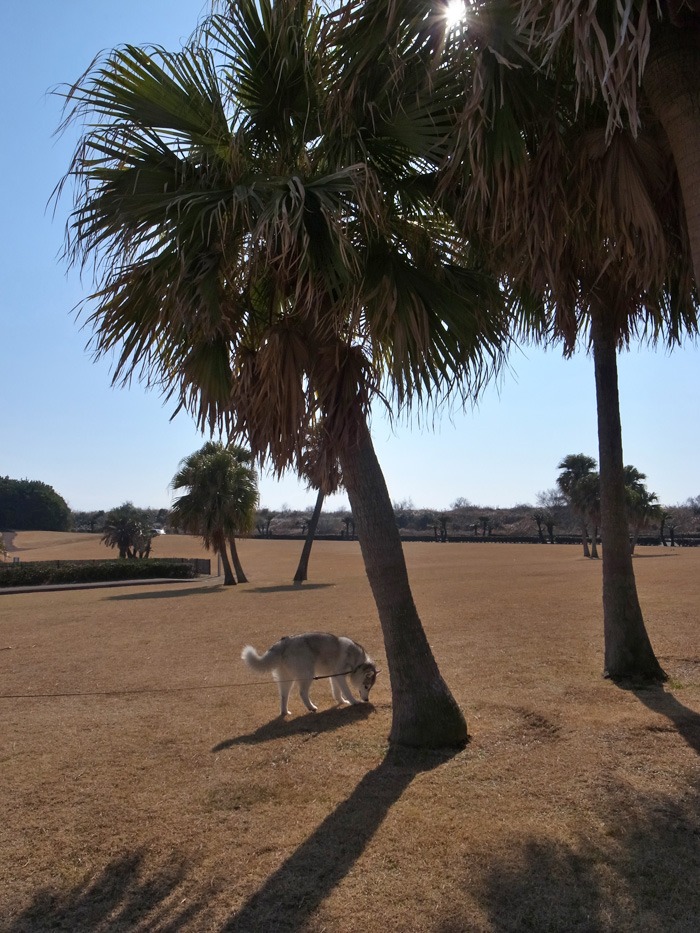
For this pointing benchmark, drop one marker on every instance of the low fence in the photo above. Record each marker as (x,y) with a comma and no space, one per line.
(680,540)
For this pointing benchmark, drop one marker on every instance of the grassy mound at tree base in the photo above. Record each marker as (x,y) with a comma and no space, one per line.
(41,573)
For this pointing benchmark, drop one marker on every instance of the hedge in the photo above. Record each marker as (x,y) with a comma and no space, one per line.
(41,573)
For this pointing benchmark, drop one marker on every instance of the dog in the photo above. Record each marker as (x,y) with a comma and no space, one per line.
(301,659)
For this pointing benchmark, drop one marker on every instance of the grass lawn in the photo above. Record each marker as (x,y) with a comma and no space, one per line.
(167,797)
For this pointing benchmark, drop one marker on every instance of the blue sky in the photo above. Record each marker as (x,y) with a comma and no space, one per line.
(61,422)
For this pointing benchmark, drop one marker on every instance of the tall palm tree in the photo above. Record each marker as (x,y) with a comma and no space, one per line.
(269,276)
(587,222)
(572,483)
(220,502)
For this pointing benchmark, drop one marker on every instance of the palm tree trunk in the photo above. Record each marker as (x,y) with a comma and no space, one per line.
(584,539)
(220,548)
(672,84)
(303,568)
(594,544)
(628,651)
(633,540)
(240,574)
(425,714)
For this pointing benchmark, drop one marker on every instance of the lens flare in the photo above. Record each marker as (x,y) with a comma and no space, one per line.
(455,13)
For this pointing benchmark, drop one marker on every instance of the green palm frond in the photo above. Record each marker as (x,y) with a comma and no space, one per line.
(270,54)
(221,496)
(263,272)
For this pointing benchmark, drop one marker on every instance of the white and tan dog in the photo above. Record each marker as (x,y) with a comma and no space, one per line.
(301,659)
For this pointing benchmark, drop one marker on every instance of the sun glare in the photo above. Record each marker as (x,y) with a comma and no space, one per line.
(455,13)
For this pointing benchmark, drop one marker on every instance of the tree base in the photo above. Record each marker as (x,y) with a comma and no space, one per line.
(431,721)
(633,681)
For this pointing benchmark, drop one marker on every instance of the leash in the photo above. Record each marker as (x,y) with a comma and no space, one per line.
(119,693)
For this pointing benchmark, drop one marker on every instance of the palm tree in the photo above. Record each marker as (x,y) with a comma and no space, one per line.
(587,222)
(643,506)
(126,529)
(269,276)
(572,483)
(323,475)
(586,501)
(220,502)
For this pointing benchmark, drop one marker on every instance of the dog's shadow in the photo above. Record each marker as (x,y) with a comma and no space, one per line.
(328,720)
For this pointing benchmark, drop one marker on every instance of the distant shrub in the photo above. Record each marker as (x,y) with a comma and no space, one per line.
(42,573)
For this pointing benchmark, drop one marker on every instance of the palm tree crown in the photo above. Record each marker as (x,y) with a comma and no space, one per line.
(247,264)
(221,497)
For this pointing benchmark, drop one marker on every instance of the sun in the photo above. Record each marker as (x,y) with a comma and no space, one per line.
(455,13)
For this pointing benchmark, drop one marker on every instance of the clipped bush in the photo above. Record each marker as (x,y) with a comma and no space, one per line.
(43,573)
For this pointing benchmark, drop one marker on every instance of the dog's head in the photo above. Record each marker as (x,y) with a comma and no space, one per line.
(364,677)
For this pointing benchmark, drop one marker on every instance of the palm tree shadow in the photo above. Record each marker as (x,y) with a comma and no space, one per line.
(686,721)
(289,587)
(123,896)
(291,895)
(651,862)
(312,723)
(170,593)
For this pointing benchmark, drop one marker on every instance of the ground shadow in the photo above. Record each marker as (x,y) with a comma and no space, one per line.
(639,874)
(289,587)
(653,556)
(328,720)
(686,721)
(169,594)
(125,895)
(291,895)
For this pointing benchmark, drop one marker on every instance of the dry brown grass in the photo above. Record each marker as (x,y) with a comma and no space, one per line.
(575,805)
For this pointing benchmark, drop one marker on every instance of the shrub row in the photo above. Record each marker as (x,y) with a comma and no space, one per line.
(42,573)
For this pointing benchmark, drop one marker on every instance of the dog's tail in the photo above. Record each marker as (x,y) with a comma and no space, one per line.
(259,662)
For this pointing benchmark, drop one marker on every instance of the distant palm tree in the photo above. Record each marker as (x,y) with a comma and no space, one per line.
(585,500)
(324,475)
(643,506)
(575,470)
(126,528)
(220,502)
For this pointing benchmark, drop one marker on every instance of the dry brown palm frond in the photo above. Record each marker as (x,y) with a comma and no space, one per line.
(609,44)
(317,465)
(548,210)
(344,385)
(269,393)
(488,163)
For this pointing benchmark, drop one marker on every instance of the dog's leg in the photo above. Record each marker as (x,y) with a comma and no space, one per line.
(346,691)
(337,692)
(304,686)
(284,686)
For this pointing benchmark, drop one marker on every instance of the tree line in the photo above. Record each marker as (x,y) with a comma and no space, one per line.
(28,505)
